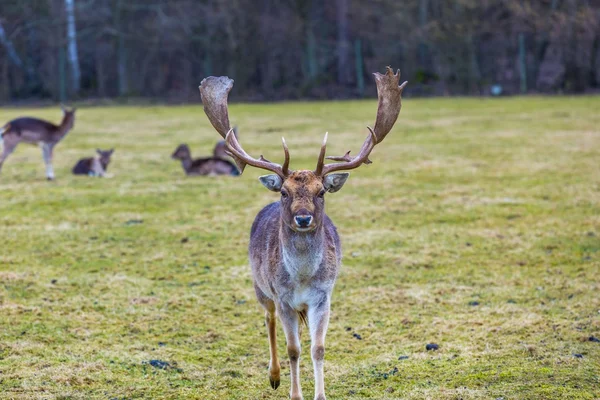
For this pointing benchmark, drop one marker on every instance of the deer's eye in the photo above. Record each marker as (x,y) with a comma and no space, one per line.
(322,193)
(284,194)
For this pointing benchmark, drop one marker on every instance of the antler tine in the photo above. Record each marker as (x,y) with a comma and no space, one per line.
(214,92)
(345,157)
(321,160)
(389,104)
(238,152)
(286,162)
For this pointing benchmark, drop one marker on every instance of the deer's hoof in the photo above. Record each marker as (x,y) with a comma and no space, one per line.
(49,178)
(274,382)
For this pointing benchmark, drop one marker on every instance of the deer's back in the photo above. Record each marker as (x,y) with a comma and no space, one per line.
(83,166)
(212,166)
(33,129)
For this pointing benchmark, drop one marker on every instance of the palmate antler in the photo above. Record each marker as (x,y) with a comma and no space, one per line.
(214,92)
(390,102)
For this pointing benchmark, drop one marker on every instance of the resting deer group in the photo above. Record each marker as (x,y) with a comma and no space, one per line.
(219,164)
(294,248)
(36,131)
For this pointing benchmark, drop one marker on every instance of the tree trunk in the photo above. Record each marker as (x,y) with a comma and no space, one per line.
(10,50)
(360,74)
(72,46)
(543,46)
(267,67)
(121,52)
(423,50)
(522,63)
(311,21)
(100,70)
(343,47)
(311,50)
(14,57)
(62,74)
(4,81)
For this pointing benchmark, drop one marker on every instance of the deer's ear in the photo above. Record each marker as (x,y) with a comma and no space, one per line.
(334,182)
(272,182)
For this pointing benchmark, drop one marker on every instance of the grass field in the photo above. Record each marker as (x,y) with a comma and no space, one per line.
(477,227)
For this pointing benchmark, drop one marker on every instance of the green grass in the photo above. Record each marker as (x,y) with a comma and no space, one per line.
(468,200)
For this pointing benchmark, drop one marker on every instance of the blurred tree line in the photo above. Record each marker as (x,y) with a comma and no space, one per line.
(285,49)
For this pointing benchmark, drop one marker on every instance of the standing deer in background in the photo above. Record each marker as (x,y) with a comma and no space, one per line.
(294,248)
(36,131)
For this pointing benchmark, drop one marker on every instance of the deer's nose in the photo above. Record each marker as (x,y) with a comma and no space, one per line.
(303,221)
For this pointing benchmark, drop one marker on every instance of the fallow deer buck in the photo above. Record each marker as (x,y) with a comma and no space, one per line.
(36,131)
(294,249)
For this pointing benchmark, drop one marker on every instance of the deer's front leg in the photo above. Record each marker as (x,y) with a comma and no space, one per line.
(318,320)
(290,323)
(47,154)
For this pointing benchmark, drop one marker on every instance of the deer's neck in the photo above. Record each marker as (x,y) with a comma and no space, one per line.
(65,126)
(186,163)
(302,252)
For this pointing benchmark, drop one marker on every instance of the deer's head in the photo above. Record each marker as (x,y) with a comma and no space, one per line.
(182,152)
(104,156)
(303,196)
(303,191)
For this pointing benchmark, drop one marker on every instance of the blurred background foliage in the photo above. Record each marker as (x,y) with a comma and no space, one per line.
(161,49)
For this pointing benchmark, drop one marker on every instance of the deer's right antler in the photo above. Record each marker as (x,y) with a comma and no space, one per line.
(214,91)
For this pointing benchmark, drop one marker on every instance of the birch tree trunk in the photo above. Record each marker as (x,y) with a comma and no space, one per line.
(72,46)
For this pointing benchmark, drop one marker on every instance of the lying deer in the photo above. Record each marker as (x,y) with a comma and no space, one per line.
(94,166)
(294,248)
(36,131)
(215,165)
(220,149)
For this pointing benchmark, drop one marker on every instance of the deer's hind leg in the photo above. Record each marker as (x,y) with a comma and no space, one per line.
(270,322)
(9,143)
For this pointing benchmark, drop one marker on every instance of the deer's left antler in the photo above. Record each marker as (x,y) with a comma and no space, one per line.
(390,102)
